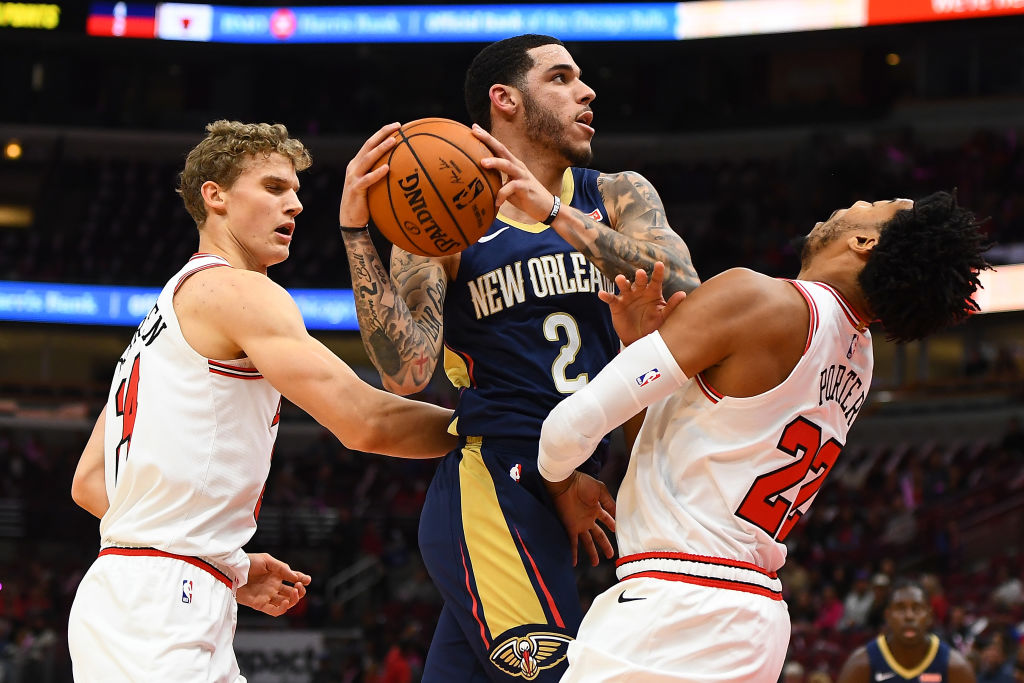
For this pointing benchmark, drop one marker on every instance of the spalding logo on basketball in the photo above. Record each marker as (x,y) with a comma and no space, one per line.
(436,199)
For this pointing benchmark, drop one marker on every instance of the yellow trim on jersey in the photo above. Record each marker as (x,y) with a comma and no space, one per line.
(506,594)
(455,368)
(883,646)
(568,190)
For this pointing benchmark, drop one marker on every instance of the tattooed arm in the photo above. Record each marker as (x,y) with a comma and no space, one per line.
(640,234)
(399,316)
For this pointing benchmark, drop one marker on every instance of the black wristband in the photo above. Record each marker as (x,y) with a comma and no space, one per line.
(345,228)
(554,211)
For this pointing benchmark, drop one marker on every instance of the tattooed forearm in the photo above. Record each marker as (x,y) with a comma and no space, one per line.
(399,315)
(641,236)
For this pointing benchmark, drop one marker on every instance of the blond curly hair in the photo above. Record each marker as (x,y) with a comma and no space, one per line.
(223,153)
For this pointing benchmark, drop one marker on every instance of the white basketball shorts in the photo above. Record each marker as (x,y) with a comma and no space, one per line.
(653,630)
(150,616)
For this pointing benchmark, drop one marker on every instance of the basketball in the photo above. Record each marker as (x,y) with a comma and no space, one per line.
(436,198)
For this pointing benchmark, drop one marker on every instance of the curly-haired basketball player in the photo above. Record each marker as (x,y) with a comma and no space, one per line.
(177,462)
(750,385)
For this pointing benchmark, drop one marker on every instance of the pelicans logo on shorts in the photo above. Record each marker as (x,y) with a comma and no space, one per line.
(525,656)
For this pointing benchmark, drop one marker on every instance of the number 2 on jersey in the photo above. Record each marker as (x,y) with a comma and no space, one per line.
(126,403)
(567,354)
(777,499)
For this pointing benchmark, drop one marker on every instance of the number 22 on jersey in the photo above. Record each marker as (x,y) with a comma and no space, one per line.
(777,500)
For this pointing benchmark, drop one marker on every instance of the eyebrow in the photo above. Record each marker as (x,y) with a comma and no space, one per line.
(279,180)
(565,67)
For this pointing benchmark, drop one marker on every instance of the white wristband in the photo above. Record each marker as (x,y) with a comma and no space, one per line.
(644,373)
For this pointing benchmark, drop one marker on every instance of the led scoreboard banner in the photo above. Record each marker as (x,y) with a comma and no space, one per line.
(47,302)
(485,23)
(32,15)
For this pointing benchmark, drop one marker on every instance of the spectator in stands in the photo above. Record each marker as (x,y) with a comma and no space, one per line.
(879,599)
(830,613)
(994,661)
(857,603)
(1009,591)
(793,672)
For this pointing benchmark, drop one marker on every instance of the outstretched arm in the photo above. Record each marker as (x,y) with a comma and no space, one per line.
(263,322)
(731,322)
(640,234)
(399,316)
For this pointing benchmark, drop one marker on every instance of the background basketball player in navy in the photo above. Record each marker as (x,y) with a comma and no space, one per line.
(521,326)
(907,650)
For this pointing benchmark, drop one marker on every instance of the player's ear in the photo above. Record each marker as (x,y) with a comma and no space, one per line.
(862,242)
(505,100)
(213,196)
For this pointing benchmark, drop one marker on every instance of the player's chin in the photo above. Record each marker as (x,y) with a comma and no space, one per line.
(579,155)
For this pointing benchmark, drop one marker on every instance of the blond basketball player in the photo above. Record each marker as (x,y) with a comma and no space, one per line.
(177,462)
(751,385)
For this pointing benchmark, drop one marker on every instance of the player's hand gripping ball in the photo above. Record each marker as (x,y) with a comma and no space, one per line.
(436,198)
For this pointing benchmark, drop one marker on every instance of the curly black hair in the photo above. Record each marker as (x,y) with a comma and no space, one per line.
(922,275)
(505,62)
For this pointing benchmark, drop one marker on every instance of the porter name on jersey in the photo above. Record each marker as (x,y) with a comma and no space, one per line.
(841,384)
(543,276)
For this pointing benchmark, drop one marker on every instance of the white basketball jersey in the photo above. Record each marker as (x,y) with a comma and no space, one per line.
(188,442)
(726,477)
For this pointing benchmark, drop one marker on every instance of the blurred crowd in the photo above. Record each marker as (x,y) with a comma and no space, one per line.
(119,221)
(948,514)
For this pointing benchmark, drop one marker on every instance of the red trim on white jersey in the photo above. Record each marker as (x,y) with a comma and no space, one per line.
(812,328)
(192,272)
(234,371)
(712,395)
(851,313)
(153,552)
(701,570)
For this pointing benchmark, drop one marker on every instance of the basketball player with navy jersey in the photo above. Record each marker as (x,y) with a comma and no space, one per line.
(178,459)
(519,322)
(751,385)
(907,650)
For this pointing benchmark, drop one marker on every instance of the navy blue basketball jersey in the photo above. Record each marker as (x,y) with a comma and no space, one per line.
(933,668)
(523,325)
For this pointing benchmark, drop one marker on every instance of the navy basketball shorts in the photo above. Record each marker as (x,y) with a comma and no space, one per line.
(500,558)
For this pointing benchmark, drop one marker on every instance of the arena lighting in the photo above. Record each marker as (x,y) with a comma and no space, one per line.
(12,150)
(484,23)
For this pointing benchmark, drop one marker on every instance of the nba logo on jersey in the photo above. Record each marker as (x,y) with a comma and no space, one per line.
(595,214)
(186,591)
(648,377)
(516,472)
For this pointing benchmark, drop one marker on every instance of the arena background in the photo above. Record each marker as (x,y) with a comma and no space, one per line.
(749,139)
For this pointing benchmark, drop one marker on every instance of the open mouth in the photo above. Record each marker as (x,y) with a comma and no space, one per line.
(586,119)
(285,230)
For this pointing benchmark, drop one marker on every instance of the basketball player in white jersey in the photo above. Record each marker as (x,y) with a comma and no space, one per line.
(177,462)
(751,385)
